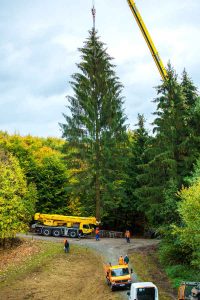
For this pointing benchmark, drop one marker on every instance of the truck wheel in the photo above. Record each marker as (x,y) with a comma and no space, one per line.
(56,232)
(38,230)
(46,231)
(72,233)
(112,288)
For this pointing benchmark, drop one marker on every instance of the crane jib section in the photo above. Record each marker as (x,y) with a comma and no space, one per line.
(148,39)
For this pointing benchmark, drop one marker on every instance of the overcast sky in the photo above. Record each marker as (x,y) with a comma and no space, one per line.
(38,54)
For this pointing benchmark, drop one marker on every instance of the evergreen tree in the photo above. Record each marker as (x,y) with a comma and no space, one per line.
(95,130)
(174,150)
(50,177)
(191,143)
(139,142)
(162,174)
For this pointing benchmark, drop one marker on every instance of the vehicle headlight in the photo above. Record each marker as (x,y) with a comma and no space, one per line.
(129,280)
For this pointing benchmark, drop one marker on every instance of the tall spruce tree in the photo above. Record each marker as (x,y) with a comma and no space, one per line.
(174,150)
(161,176)
(191,143)
(96,130)
(139,142)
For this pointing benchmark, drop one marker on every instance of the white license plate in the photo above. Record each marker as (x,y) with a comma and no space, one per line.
(122,284)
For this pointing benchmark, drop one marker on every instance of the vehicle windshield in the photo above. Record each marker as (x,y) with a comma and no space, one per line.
(119,272)
(92,226)
(86,226)
(147,293)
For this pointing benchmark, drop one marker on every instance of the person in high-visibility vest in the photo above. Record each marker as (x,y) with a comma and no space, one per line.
(127,236)
(97,234)
(121,260)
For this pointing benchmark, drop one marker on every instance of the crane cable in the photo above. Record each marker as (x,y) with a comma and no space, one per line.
(93,13)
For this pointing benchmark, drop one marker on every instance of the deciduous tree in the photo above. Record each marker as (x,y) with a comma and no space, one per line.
(16,199)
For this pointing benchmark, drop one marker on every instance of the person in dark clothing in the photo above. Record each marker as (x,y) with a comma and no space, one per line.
(126,259)
(80,234)
(66,246)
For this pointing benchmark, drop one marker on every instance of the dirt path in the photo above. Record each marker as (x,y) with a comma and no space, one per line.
(79,274)
(109,249)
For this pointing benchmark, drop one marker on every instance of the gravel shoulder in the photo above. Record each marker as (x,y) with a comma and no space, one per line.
(109,248)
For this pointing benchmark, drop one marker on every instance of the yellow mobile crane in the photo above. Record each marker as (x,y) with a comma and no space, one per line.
(60,225)
(148,39)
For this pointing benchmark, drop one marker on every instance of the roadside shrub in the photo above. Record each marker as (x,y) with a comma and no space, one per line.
(189,231)
(177,258)
(173,252)
(179,273)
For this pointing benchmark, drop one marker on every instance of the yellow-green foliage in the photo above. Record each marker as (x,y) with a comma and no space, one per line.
(42,162)
(14,211)
(189,210)
(29,145)
(74,206)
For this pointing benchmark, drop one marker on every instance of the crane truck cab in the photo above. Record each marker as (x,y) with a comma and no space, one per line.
(118,276)
(143,291)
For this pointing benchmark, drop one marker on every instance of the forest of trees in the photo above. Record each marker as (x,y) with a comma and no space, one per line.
(147,182)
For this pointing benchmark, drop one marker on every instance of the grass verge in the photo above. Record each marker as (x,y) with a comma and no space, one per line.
(49,273)
(147,267)
(45,252)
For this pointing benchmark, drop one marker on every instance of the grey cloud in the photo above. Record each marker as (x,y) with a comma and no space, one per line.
(35,67)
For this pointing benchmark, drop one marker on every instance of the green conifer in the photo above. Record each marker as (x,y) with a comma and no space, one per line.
(96,129)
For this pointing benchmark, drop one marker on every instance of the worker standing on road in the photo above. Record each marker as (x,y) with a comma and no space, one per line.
(66,246)
(121,260)
(126,259)
(97,234)
(127,236)
(80,234)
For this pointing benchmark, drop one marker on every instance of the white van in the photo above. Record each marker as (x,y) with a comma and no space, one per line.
(143,291)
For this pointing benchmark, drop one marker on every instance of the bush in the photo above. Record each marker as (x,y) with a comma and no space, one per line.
(179,273)
(176,259)
(173,252)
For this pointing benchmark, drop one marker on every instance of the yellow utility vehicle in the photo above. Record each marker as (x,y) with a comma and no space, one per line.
(118,276)
(60,225)
(189,291)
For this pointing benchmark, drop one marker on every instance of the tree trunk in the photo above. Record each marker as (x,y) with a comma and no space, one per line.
(97,187)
